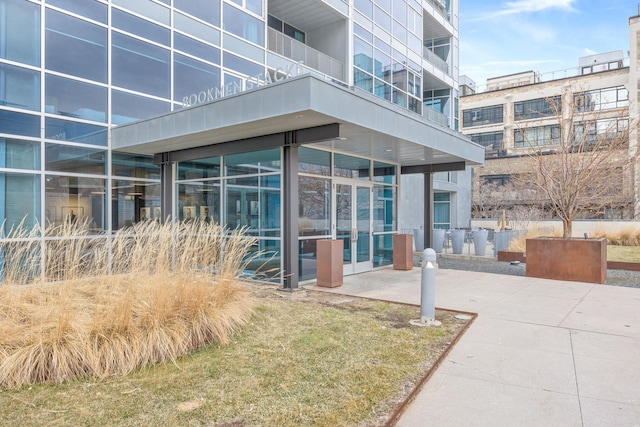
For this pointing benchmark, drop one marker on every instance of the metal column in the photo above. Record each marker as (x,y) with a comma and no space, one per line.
(428,210)
(166,187)
(290,202)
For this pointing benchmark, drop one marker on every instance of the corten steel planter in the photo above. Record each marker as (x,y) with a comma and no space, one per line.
(581,260)
(402,251)
(330,272)
(510,256)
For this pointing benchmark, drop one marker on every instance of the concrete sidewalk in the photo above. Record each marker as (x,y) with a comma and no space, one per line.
(540,353)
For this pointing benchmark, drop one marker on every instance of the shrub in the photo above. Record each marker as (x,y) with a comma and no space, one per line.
(148,294)
(627,236)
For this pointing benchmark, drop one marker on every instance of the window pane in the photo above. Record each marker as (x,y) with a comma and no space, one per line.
(72,98)
(88,8)
(191,76)
(66,158)
(140,66)
(312,161)
(207,10)
(201,168)
(365,7)
(242,66)
(20,196)
(71,198)
(67,130)
(198,29)
(351,167)
(199,201)
(252,163)
(196,48)
(19,87)
(363,55)
(134,201)
(127,107)
(19,124)
(75,47)
(384,172)
(146,8)
(243,25)
(17,154)
(255,6)
(20,34)
(131,165)
(315,206)
(384,208)
(363,80)
(141,27)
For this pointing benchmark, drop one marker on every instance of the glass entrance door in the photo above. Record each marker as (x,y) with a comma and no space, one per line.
(353,225)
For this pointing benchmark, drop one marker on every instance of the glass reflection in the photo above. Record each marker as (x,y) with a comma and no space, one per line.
(75,199)
(134,201)
(20,194)
(199,201)
(75,47)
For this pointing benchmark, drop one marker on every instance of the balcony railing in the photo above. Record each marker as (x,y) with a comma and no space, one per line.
(300,52)
(434,59)
(442,8)
(435,116)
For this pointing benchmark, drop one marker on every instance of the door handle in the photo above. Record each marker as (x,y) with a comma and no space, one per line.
(354,234)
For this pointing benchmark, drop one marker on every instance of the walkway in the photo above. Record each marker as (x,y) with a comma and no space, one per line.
(540,353)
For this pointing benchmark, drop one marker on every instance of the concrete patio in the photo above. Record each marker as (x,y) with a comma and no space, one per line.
(540,353)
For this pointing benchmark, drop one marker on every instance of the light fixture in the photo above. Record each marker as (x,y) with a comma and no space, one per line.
(341,138)
(388,150)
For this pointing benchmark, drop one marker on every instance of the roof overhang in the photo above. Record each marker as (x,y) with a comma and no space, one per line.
(368,125)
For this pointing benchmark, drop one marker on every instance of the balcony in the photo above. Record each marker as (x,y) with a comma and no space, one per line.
(441,7)
(293,49)
(435,60)
(435,116)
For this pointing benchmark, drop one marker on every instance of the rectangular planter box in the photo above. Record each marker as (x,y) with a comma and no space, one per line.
(510,256)
(581,260)
(330,266)
(402,251)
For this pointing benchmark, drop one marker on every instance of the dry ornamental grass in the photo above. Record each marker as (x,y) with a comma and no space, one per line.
(108,306)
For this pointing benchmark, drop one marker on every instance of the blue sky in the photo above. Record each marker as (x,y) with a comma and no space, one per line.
(504,37)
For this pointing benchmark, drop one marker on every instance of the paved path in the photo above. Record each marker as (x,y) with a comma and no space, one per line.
(540,353)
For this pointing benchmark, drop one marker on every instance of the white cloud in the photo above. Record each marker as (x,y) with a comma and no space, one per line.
(524,6)
(528,6)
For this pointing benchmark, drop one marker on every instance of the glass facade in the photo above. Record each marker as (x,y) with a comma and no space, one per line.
(70,70)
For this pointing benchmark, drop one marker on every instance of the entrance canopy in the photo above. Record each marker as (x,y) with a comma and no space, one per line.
(368,126)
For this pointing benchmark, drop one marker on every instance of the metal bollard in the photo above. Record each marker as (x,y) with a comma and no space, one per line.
(428,290)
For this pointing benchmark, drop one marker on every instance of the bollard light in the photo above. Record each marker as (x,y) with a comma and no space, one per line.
(427,291)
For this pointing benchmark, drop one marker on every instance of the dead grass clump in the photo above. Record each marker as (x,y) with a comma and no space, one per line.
(626,236)
(173,288)
(519,243)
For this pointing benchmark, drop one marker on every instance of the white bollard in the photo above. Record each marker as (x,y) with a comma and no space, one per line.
(428,291)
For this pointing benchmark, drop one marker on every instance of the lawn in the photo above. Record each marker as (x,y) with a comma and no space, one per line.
(623,253)
(305,359)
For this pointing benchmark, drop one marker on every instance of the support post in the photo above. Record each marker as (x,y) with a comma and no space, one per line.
(428,210)
(290,202)
(166,188)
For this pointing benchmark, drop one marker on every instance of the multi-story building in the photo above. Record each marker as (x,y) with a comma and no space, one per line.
(526,109)
(295,119)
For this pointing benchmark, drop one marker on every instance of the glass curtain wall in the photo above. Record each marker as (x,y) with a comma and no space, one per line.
(316,169)
(314,185)
(392,73)
(238,191)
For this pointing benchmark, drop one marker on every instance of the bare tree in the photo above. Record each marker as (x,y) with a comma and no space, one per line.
(581,160)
